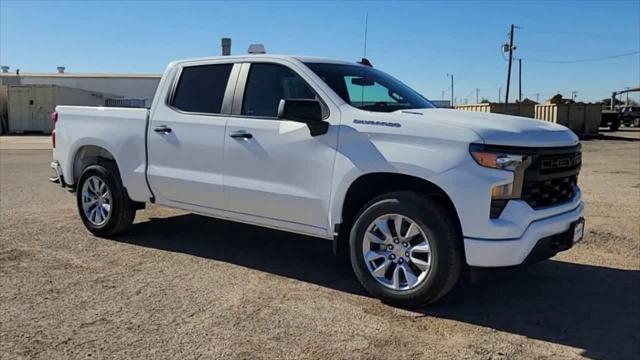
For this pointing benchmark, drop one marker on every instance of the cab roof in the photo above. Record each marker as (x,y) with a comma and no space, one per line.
(304,59)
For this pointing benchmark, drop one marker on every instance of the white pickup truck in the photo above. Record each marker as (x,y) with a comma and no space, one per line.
(336,150)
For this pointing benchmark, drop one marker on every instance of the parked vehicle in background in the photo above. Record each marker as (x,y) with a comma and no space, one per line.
(610,119)
(630,116)
(613,116)
(336,150)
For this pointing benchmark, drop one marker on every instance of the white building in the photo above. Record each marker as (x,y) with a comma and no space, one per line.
(127,86)
(25,105)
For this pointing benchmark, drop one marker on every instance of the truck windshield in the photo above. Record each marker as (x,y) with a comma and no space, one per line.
(369,89)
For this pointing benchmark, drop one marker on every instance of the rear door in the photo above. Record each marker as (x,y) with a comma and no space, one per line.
(280,173)
(186,136)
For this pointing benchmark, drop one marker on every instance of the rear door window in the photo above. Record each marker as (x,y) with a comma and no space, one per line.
(201,88)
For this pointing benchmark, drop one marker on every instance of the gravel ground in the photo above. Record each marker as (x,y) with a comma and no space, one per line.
(185,286)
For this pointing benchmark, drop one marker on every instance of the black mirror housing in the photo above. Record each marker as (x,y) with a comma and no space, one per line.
(306,111)
(300,110)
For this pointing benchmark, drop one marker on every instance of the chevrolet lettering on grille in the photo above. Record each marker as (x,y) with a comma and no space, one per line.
(565,162)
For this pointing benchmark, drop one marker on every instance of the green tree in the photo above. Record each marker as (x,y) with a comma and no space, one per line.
(607,102)
(558,99)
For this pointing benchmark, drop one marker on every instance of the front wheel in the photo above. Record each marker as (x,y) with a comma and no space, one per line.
(405,249)
(104,206)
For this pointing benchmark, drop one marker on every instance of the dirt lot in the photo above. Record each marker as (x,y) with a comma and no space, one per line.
(186,286)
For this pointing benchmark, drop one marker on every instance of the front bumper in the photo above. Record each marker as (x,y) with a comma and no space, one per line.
(511,252)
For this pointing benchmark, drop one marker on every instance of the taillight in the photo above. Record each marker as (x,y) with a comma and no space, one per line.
(54,120)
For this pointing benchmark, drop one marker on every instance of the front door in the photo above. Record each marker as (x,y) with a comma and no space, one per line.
(186,137)
(274,169)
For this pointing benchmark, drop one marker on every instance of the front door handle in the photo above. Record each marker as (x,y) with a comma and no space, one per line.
(164,129)
(240,134)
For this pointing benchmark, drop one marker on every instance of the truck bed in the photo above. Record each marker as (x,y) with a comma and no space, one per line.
(111,131)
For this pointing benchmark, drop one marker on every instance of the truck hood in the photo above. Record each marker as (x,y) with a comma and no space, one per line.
(494,129)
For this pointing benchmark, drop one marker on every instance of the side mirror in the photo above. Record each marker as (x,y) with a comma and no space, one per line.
(305,111)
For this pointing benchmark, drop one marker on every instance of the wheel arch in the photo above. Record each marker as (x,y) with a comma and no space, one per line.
(87,155)
(368,186)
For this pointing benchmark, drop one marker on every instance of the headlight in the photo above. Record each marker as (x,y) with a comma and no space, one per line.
(498,160)
(495,157)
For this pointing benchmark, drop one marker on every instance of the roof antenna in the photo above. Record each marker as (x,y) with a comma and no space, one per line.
(366,27)
(364,60)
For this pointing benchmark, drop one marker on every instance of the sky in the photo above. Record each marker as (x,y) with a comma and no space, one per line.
(418,42)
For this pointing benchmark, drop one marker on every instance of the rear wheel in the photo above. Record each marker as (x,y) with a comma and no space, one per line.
(103,204)
(405,249)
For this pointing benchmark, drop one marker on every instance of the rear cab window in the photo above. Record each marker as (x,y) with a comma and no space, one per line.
(201,88)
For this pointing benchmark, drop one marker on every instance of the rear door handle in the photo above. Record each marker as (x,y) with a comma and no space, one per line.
(240,134)
(162,129)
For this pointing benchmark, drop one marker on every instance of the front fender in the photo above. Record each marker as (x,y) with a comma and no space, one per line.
(362,153)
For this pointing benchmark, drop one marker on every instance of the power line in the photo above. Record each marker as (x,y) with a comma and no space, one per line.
(563,32)
(584,60)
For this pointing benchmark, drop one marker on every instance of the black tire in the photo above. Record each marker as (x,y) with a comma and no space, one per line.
(122,212)
(615,125)
(445,239)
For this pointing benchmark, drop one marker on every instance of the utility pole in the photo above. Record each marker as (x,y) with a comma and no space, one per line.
(538,97)
(452,98)
(499,94)
(520,79)
(510,48)
(574,95)
(442,97)
(626,103)
(477,91)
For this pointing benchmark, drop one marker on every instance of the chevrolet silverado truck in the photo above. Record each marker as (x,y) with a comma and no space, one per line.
(332,149)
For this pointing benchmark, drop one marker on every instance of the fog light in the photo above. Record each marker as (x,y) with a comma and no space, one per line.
(502,191)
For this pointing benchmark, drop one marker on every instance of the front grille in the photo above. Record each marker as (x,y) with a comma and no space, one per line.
(552,177)
(549,192)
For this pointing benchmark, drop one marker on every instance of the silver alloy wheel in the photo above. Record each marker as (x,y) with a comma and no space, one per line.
(96,201)
(397,252)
